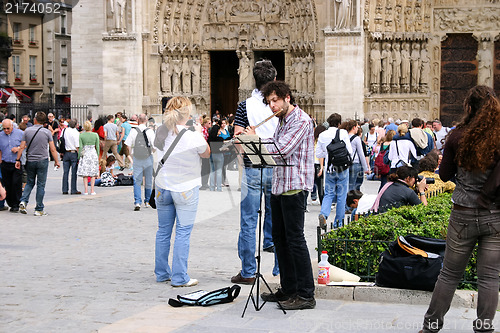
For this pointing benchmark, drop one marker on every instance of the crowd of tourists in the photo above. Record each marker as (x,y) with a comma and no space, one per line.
(330,161)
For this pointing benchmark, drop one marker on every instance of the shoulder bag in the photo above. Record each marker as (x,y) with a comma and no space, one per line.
(152,199)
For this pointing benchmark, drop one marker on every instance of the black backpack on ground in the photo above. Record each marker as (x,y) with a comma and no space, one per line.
(142,147)
(399,268)
(339,158)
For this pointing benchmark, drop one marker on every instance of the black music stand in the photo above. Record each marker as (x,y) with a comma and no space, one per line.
(254,146)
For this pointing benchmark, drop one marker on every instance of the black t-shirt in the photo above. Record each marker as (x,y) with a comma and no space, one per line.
(55,125)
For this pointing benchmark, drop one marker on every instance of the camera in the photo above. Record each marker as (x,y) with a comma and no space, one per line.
(428,180)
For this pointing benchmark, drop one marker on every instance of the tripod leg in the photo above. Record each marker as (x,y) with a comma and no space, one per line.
(269,288)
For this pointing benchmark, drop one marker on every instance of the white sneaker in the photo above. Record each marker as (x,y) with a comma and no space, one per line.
(190,283)
(85,193)
(40,213)
(93,193)
(147,205)
(22,208)
(137,207)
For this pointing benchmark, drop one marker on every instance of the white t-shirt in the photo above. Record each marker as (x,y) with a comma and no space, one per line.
(440,135)
(405,148)
(365,203)
(371,139)
(130,141)
(182,170)
(326,137)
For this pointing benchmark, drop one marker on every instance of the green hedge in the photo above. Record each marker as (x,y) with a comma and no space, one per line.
(367,237)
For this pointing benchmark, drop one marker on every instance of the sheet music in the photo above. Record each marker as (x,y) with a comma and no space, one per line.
(249,143)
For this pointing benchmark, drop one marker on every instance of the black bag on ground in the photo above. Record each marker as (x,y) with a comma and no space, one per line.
(206,298)
(400,269)
(122,180)
(339,158)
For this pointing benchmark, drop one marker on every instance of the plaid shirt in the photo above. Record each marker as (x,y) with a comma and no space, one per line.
(294,138)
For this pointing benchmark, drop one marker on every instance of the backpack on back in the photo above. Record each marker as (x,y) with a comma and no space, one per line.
(339,158)
(61,143)
(381,168)
(142,147)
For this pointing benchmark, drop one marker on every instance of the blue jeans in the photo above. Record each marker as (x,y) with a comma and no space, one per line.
(465,230)
(179,208)
(336,185)
(249,207)
(70,160)
(216,164)
(143,167)
(36,170)
(355,176)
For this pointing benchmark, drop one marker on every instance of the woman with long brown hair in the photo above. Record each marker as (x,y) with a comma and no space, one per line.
(470,154)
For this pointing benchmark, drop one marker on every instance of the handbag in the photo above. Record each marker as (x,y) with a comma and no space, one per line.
(152,198)
(400,266)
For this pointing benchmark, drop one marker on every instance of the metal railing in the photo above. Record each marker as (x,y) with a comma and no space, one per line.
(78,112)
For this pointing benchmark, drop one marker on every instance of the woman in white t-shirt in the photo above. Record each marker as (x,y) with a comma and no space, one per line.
(177,184)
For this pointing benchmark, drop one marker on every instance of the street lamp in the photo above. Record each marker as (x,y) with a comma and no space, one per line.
(51,96)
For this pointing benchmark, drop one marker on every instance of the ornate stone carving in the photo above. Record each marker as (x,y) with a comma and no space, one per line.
(118,9)
(244,72)
(485,64)
(396,67)
(386,57)
(470,19)
(415,67)
(398,15)
(196,71)
(343,14)
(186,76)
(166,75)
(375,67)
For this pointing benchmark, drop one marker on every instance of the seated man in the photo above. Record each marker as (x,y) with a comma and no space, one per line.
(361,203)
(397,192)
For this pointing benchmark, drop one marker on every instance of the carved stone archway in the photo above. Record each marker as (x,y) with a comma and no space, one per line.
(185,31)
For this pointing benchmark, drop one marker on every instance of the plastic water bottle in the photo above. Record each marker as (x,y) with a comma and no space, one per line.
(324,269)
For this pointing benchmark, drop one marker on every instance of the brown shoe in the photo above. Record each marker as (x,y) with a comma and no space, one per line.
(298,303)
(238,279)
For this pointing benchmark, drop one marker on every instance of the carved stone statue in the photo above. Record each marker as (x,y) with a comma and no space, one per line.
(244,72)
(166,76)
(305,71)
(118,9)
(292,74)
(196,71)
(405,67)
(425,65)
(176,76)
(342,14)
(186,76)
(310,73)
(386,57)
(415,66)
(485,62)
(375,66)
(298,74)
(396,66)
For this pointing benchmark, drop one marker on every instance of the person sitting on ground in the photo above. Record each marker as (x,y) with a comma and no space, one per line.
(427,168)
(398,190)
(361,203)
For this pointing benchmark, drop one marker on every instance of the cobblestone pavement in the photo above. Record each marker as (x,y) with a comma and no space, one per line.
(88,267)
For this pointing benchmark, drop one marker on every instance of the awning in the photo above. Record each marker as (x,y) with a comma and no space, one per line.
(7,91)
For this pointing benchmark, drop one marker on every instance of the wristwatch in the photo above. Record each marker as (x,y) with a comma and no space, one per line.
(422,193)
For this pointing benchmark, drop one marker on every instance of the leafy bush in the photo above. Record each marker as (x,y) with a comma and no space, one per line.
(357,246)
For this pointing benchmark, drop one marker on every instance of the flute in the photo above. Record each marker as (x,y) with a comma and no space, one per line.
(268,118)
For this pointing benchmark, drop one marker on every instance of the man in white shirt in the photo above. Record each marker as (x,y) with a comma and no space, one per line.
(441,132)
(336,183)
(70,157)
(143,161)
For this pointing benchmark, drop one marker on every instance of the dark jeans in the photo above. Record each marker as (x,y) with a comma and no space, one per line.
(318,182)
(205,171)
(465,230)
(294,262)
(36,170)
(70,160)
(12,181)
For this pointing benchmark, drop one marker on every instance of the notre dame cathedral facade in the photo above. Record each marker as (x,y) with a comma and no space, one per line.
(360,58)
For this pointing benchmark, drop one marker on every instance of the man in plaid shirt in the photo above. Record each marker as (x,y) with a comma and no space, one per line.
(295,141)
